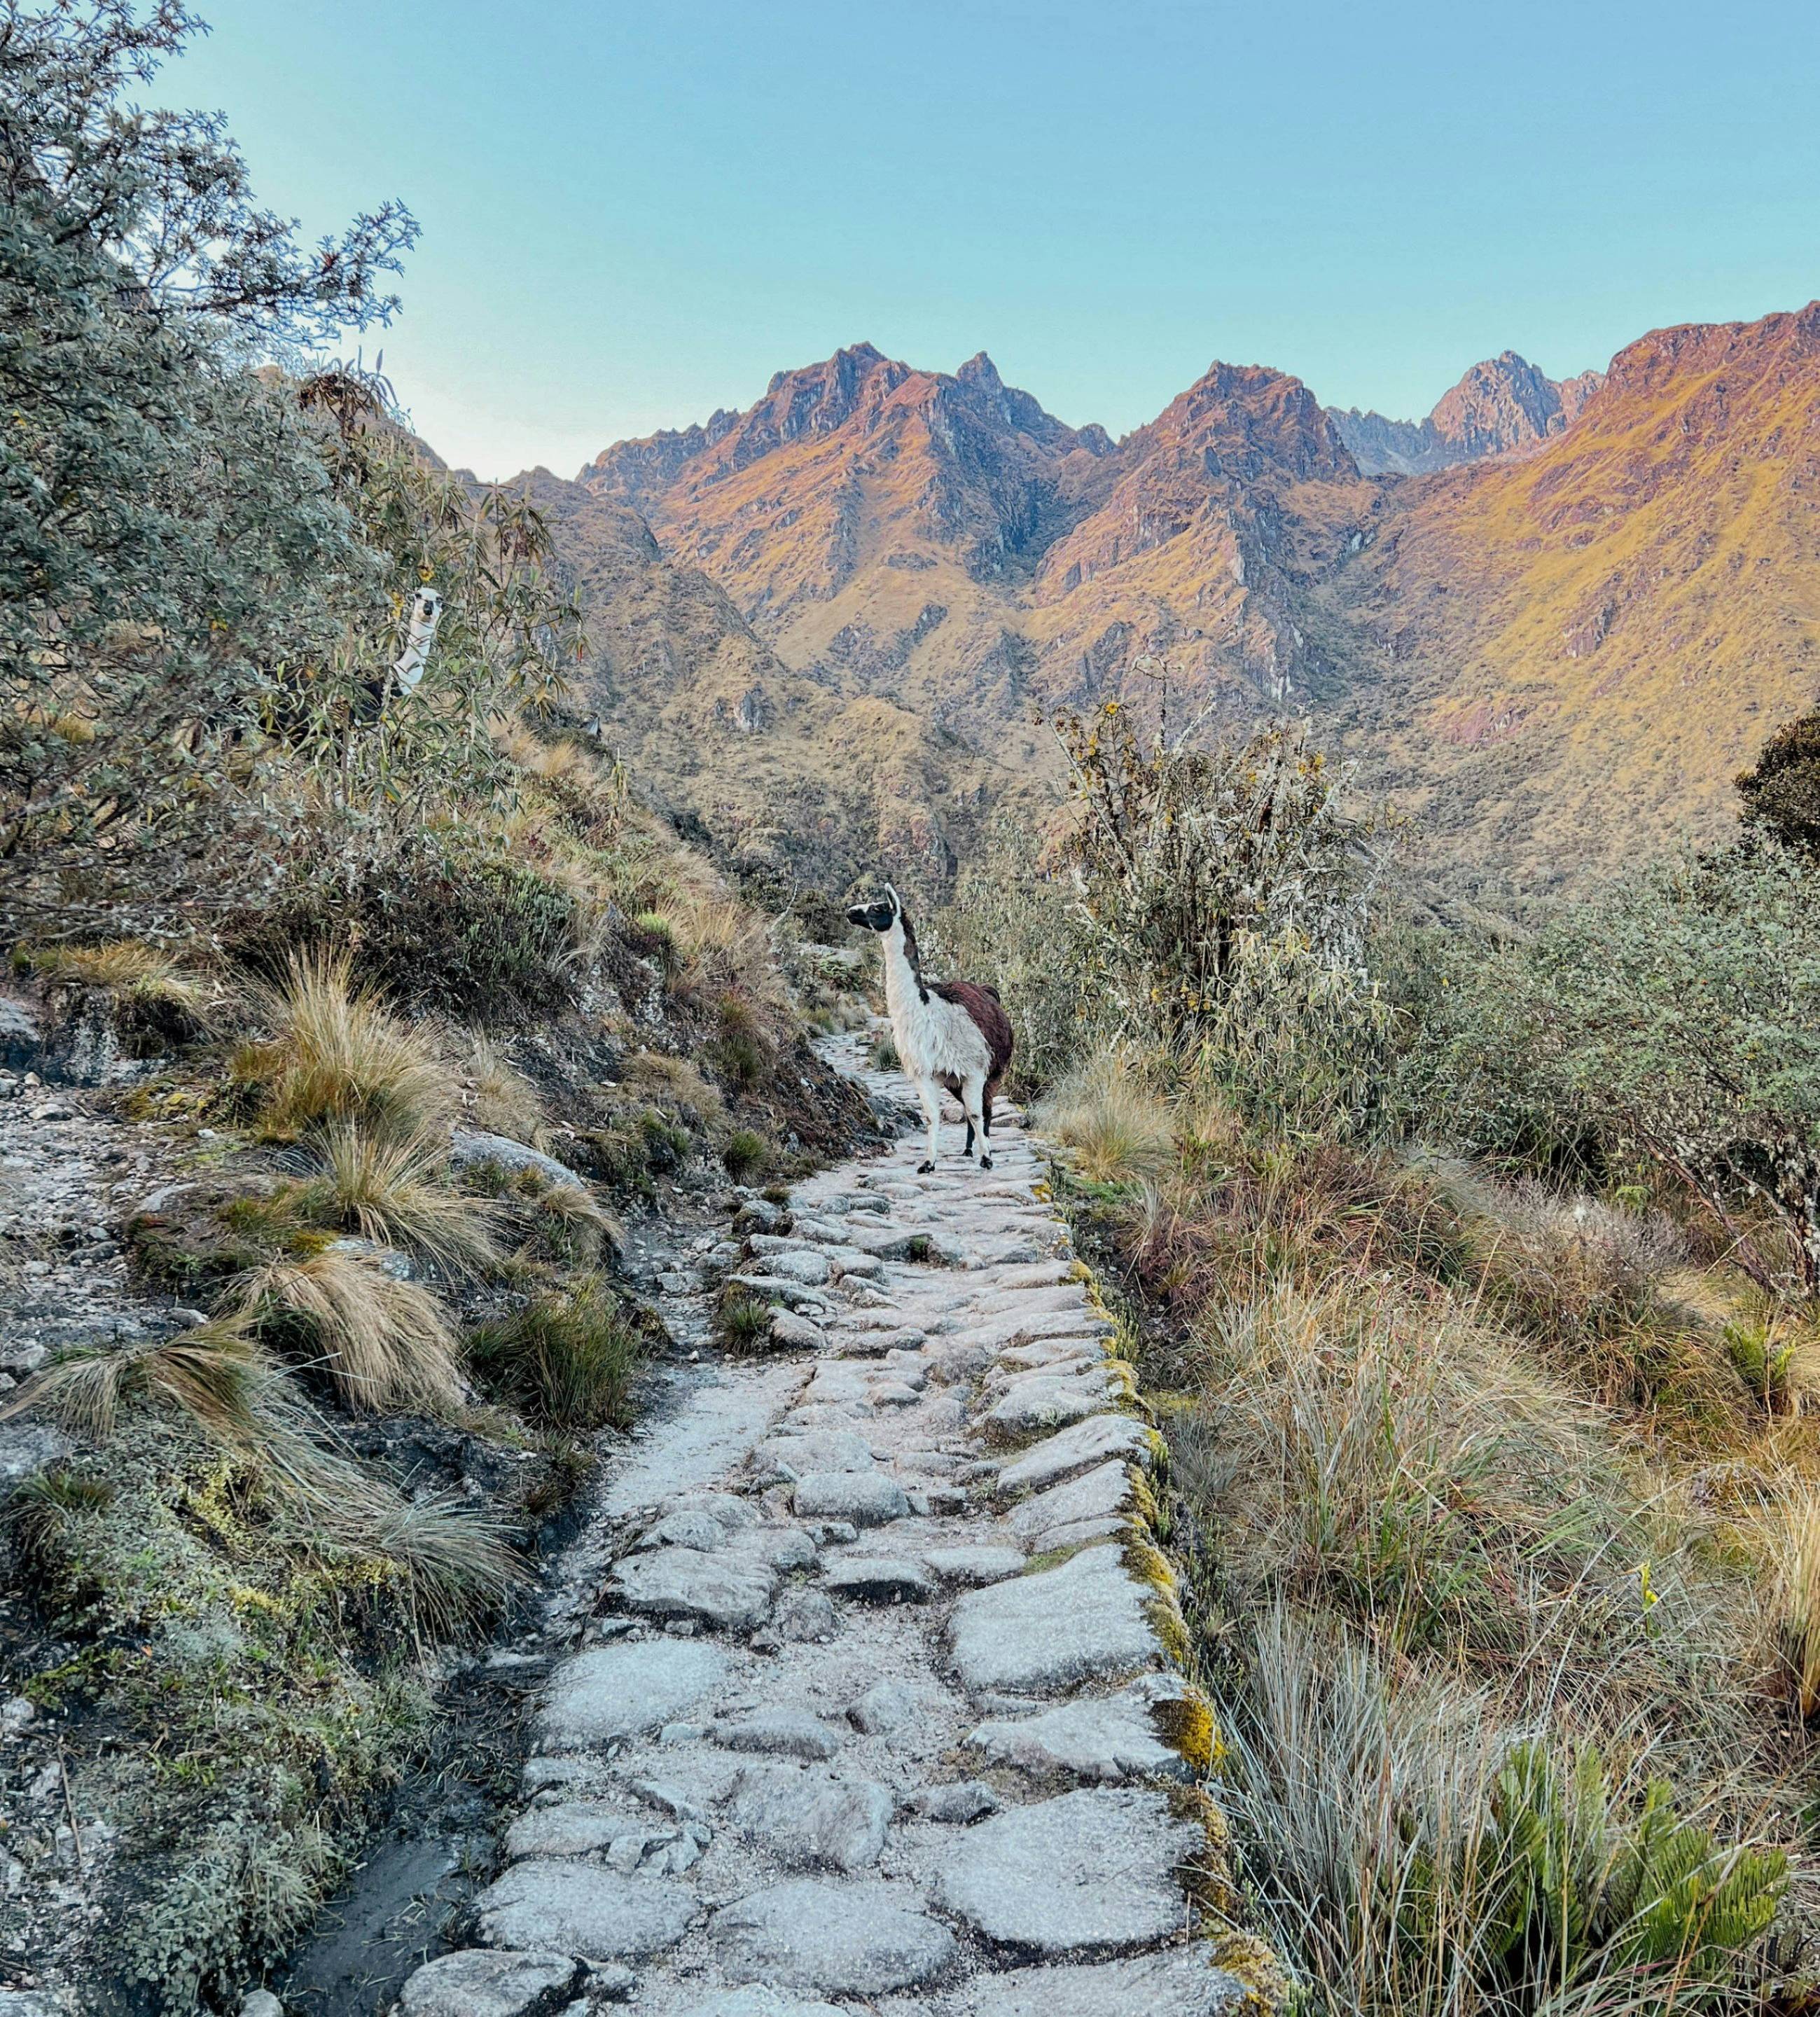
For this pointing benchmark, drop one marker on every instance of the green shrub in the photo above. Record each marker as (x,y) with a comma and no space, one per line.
(567,1361)
(744,1152)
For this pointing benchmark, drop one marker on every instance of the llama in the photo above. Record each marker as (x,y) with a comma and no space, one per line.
(950,1033)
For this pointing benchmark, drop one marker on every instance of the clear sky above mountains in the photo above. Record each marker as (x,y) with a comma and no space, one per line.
(635,214)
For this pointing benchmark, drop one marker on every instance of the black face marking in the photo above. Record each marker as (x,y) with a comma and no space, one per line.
(875,917)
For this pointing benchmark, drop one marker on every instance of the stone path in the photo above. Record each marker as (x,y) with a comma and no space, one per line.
(876,1710)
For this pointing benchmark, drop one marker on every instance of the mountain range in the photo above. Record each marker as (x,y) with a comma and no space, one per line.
(1552,619)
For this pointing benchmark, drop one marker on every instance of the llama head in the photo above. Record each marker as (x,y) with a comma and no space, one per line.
(879,915)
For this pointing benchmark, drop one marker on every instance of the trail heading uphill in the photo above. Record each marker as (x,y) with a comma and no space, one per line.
(877,1709)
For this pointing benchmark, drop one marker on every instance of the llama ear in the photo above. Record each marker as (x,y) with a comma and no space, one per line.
(896,900)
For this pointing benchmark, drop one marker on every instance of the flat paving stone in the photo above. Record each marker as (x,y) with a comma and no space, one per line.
(576,1908)
(1080,1447)
(869,1499)
(756,2001)
(861,1939)
(809,1818)
(729,1594)
(1095,1869)
(815,1449)
(1101,1493)
(480,1981)
(611,1693)
(972,1566)
(1180,1983)
(1055,1629)
(1042,1402)
(1110,1738)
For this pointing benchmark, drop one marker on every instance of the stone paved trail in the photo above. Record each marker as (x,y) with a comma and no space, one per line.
(875,1710)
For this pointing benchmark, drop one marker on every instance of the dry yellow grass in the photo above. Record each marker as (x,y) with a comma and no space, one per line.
(384,1342)
(1115,1128)
(499,1098)
(340,1054)
(394,1190)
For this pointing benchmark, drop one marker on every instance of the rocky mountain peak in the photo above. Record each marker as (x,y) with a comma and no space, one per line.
(1502,405)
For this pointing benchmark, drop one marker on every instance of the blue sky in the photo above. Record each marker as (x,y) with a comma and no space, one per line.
(635,213)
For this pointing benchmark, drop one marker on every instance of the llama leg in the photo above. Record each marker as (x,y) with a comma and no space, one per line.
(986,1112)
(972,1092)
(930,1094)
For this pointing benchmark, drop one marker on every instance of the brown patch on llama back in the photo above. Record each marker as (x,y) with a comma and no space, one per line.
(983,1007)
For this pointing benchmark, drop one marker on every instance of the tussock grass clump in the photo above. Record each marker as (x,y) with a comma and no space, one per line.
(882,1055)
(384,1342)
(214,1374)
(567,1360)
(1116,1130)
(454,1567)
(341,1055)
(742,1322)
(744,1152)
(394,1190)
(1415,1855)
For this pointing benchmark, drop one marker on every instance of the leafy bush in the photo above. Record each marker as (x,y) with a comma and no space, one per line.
(1183,856)
(437,918)
(1678,1019)
(1781,791)
(566,1360)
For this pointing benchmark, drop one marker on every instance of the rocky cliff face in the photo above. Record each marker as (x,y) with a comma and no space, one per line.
(1502,406)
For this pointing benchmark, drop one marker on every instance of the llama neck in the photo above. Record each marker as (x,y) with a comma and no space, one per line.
(904,986)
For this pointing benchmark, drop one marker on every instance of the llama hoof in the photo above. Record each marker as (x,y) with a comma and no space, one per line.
(923,1169)
(986,1162)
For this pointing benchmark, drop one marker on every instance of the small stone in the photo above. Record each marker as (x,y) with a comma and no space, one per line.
(725,1594)
(794,1733)
(886,1706)
(684,1529)
(969,1801)
(781,1547)
(808,1818)
(577,1908)
(863,1940)
(794,1332)
(610,1982)
(610,1693)
(879,1579)
(1092,1869)
(483,1982)
(801,1264)
(1055,1629)
(261,2003)
(805,1617)
(1179,1982)
(869,1499)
